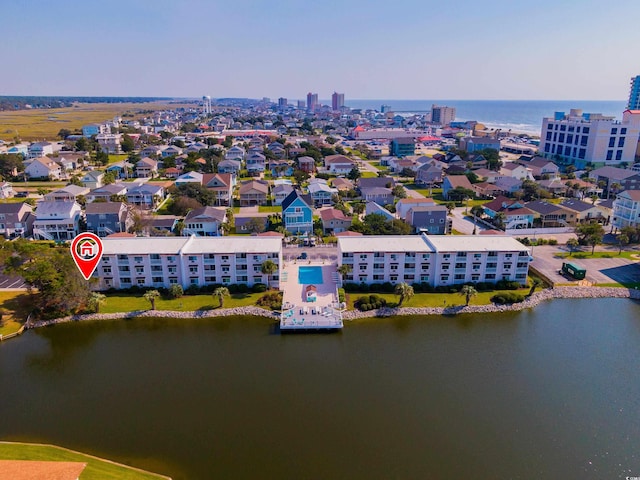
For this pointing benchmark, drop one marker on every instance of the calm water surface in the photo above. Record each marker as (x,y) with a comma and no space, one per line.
(545,394)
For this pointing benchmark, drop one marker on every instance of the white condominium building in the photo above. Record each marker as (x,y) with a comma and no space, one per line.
(164,261)
(437,260)
(583,138)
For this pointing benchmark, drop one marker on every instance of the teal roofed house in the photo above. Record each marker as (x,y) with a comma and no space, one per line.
(297,213)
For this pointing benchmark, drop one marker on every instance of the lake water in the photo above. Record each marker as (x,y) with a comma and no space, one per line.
(542,394)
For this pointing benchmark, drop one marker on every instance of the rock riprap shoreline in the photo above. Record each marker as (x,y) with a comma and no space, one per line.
(530,302)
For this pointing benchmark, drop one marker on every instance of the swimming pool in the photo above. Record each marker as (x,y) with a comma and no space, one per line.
(309,275)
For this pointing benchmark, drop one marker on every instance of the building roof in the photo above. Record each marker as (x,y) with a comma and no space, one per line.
(415,201)
(577,205)
(289,199)
(103,207)
(544,208)
(331,159)
(459,181)
(73,190)
(632,194)
(348,233)
(383,243)
(13,207)
(254,185)
(474,243)
(612,173)
(55,209)
(386,182)
(206,214)
(333,214)
(121,235)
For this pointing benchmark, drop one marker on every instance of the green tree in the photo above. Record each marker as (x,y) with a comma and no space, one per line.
(345,269)
(404,291)
(354,174)
(268,267)
(127,144)
(255,225)
(358,207)
(477,211)
(572,245)
(151,296)
(63,133)
(220,293)
(96,300)
(10,165)
(102,157)
(109,178)
(622,240)
(399,191)
(460,194)
(468,291)
(590,234)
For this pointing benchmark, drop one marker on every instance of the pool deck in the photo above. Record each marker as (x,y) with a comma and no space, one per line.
(298,314)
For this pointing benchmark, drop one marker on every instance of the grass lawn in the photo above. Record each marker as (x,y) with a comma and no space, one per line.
(17,306)
(130,302)
(588,255)
(114,158)
(53,185)
(96,469)
(635,285)
(434,299)
(369,175)
(270,209)
(164,208)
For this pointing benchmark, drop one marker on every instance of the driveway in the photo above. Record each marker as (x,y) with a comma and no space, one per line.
(463,223)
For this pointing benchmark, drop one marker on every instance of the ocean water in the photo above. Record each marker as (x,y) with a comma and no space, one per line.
(517,115)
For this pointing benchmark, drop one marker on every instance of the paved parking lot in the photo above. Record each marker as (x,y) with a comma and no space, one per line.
(317,253)
(11,281)
(599,270)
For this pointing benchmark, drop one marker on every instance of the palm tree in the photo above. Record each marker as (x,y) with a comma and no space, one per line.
(268,268)
(468,291)
(572,245)
(151,296)
(220,293)
(623,239)
(345,269)
(96,300)
(498,220)
(535,283)
(404,291)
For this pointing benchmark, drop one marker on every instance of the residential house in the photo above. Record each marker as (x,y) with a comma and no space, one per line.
(342,184)
(246,222)
(540,166)
(277,149)
(256,162)
(6,190)
(205,222)
(452,182)
(162,225)
(40,149)
(429,175)
(626,209)
(549,215)
(486,190)
(402,147)
(279,168)
(189,177)
(616,179)
(110,142)
(230,166)
(334,221)
(321,193)
(488,175)
(372,208)
(107,192)
(235,153)
(379,195)
(121,169)
(280,192)
(106,218)
(339,164)
(474,144)
(433,219)
(297,213)
(516,170)
(93,179)
(152,151)
(70,193)
(172,172)
(72,160)
(16,220)
(253,192)
(171,151)
(307,164)
(516,215)
(146,168)
(57,220)
(146,195)
(221,184)
(43,167)
(508,185)
(554,185)
(405,204)
(586,212)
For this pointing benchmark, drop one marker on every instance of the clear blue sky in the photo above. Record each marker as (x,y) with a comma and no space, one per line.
(379,49)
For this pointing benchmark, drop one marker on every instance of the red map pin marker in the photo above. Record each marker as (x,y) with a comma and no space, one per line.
(86,250)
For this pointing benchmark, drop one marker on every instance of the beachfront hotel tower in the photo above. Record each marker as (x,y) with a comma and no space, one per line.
(312,101)
(337,101)
(590,138)
(442,115)
(634,94)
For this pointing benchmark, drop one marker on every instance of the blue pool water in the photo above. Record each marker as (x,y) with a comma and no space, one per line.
(308,275)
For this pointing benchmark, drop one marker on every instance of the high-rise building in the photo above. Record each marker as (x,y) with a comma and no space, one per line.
(385,108)
(337,101)
(282,103)
(634,94)
(581,139)
(442,115)
(312,101)
(301,104)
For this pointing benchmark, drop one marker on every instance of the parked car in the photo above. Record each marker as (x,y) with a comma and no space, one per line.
(302,256)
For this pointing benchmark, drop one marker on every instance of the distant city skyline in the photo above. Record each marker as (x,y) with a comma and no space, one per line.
(495,50)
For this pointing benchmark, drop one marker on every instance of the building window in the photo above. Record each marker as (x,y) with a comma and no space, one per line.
(585,130)
(623,131)
(581,153)
(609,154)
(612,142)
(126,281)
(156,279)
(619,155)
(621,142)
(614,131)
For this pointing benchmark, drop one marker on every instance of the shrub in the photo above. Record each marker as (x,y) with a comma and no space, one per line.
(259,288)
(351,287)
(370,302)
(175,291)
(272,300)
(507,285)
(507,298)
(341,295)
(242,288)
(553,241)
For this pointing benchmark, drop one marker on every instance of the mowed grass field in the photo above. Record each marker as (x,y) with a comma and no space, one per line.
(96,469)
(44,124)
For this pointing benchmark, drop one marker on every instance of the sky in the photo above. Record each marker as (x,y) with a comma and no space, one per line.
(367,49)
